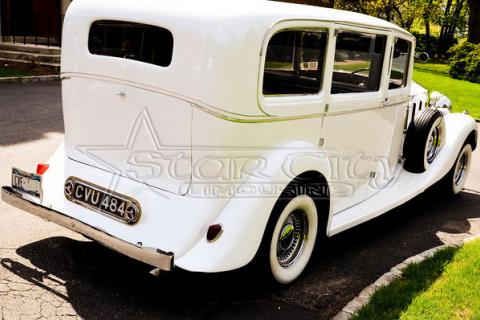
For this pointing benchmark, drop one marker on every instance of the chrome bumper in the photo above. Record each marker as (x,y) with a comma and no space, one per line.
(156,258)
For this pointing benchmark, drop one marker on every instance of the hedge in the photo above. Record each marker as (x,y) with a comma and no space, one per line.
(465,61)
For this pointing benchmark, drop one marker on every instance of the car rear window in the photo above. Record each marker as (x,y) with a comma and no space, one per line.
(128,40)
(294,62)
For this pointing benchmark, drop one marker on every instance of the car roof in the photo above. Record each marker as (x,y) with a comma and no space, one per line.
(217,44)
(276,10)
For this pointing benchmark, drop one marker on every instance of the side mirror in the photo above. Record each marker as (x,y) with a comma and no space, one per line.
(396,53)
(422,56)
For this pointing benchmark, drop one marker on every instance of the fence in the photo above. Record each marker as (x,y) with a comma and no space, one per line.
(45,29)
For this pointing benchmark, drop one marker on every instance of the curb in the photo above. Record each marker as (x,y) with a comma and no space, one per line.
(30,79)
(364,296)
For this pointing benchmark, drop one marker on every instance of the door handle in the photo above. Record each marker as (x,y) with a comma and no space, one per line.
(387,103)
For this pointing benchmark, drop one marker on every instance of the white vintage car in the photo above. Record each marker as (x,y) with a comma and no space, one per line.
(209,134)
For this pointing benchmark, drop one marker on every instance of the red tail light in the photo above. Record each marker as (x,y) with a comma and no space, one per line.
(42,168)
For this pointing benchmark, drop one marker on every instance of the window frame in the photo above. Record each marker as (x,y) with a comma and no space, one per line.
(386,56)
(295,104)
(386,59)
(411,61)
(342,102)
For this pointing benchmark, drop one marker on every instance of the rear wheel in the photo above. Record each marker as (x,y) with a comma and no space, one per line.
(297,224)
(293,239)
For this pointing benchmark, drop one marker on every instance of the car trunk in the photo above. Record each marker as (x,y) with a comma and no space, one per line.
(136,133)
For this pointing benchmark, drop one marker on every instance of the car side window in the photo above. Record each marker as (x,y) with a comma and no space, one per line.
(358,62)
(128,40)
(400,64)
(294,62)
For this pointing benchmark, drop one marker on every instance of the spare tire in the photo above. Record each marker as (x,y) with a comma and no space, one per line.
(424,139)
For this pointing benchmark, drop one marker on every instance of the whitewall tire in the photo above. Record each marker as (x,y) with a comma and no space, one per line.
(454,182)
(461,169)
(293,239)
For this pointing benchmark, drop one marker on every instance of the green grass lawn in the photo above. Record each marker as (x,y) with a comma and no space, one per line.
(440,68)
(464,95)
(444,287)
(7,72)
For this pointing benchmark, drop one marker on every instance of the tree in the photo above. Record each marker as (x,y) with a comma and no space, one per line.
(427,14)
(474,21)
(454,21)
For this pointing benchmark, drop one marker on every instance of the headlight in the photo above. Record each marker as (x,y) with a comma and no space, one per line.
(438,100)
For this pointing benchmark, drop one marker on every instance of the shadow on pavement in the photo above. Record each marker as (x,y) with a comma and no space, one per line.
(101,283)
(29,111)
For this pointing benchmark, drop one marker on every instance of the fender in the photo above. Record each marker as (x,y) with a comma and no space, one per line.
(459,128)
(405,186)
(244,218)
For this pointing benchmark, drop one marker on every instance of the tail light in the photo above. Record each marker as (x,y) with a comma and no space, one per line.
(42,168)
(214,232)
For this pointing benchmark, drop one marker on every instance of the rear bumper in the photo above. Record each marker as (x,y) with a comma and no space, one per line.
(153,257)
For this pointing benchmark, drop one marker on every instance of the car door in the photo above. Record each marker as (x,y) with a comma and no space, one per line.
(357,130)
(396,106)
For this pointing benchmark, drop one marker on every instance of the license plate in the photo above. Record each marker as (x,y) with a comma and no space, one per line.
(28,183)
(108,202)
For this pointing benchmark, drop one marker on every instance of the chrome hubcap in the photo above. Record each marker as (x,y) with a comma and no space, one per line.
(460,169)
(433,144)
(292,238)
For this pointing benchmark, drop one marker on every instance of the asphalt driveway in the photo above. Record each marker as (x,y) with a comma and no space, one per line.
(49,272)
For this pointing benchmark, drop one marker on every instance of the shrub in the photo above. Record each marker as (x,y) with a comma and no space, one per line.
(434,46)
(465,62)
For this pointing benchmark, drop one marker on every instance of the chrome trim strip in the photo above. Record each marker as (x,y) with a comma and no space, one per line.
(195,102)
(154,257)
(216,112)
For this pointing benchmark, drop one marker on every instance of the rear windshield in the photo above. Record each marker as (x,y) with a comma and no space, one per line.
(133,41)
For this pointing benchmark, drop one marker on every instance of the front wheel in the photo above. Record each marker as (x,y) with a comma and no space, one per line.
(454,181)
(293,239)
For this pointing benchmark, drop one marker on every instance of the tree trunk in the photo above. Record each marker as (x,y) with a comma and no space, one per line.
(426,19)
(456,17)
(427,31)
(445,22)
(474,21)
(388,10)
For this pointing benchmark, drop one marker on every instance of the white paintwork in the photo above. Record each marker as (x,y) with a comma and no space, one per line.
(114,141)
(239,149)
(408,185)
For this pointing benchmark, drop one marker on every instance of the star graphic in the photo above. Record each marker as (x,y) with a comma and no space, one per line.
(143,158)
